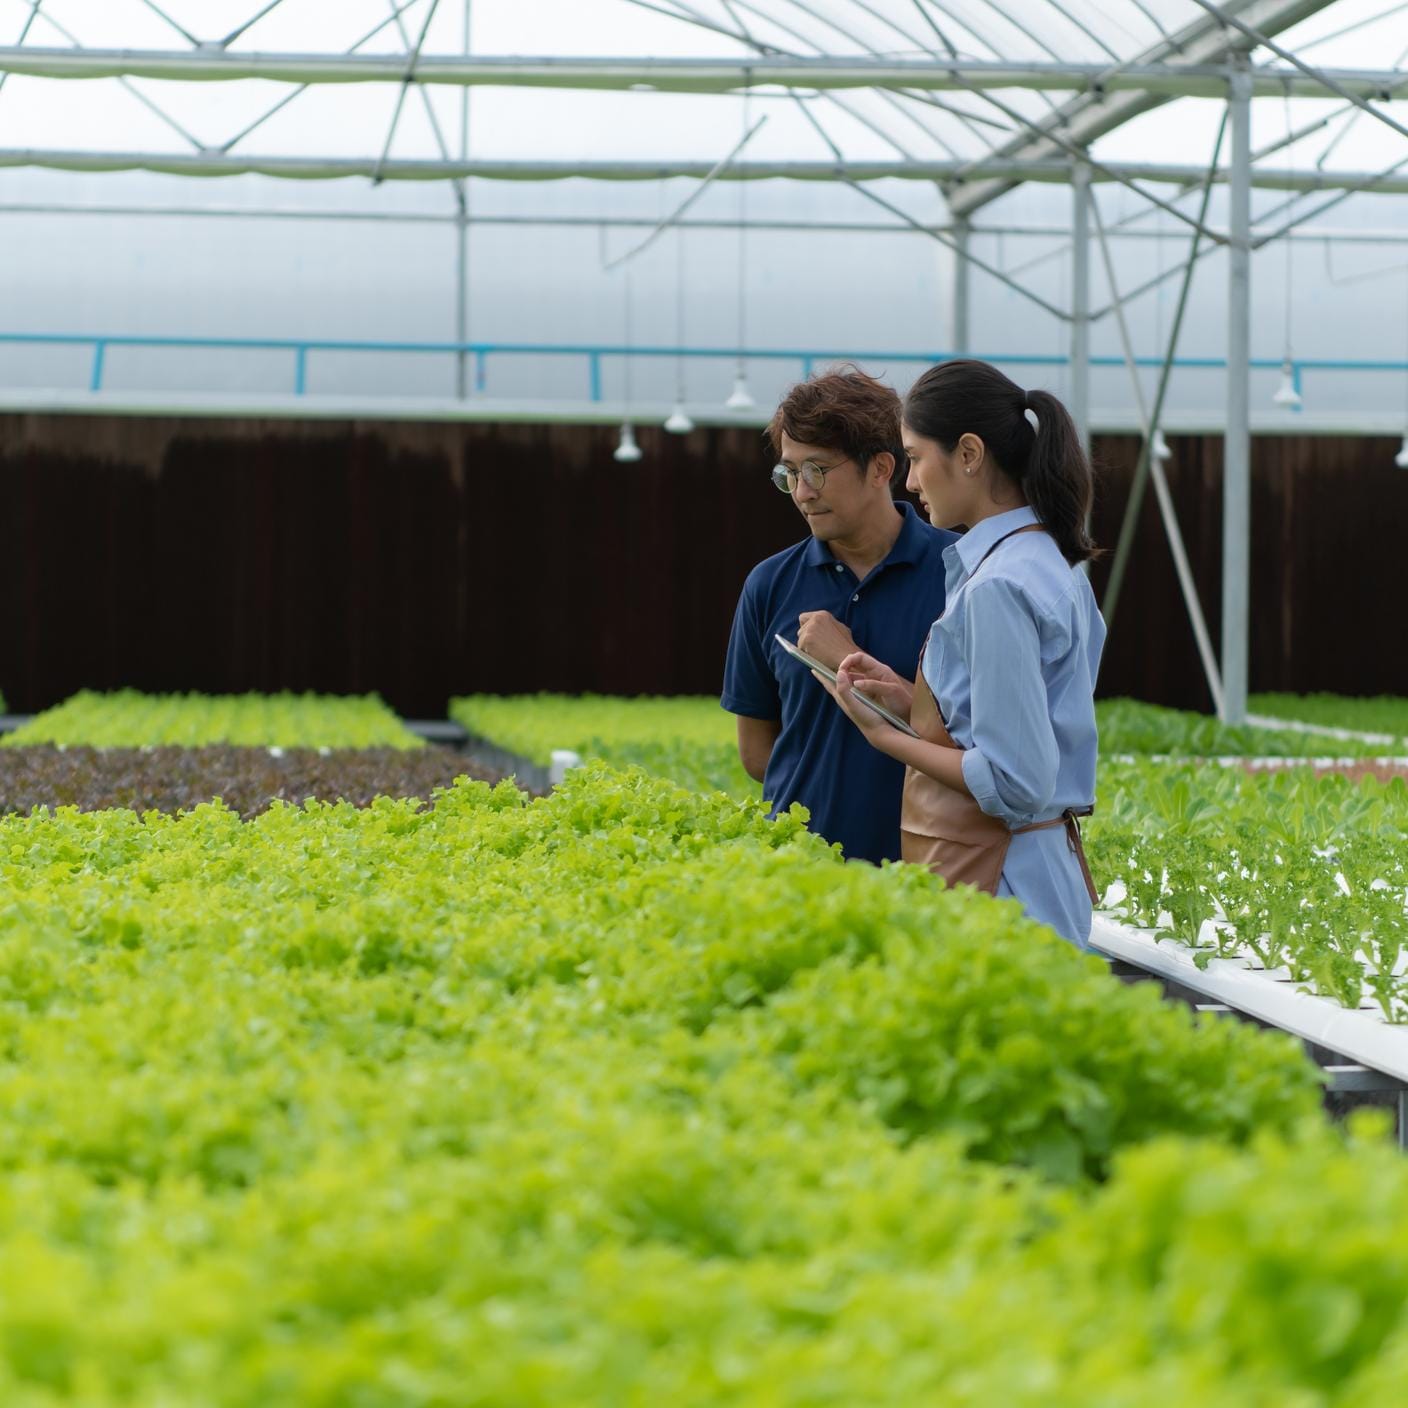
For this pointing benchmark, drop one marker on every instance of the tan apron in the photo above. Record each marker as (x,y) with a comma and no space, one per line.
(946,829)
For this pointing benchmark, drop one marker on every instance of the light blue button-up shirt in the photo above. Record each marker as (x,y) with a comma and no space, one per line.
(1012,663)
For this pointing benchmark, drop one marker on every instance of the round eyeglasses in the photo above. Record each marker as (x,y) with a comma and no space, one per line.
(812,474)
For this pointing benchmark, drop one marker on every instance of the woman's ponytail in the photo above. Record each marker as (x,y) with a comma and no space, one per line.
(1058,481)
(1048,462)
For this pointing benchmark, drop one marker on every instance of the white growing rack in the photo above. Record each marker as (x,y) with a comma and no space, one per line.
(1266,721)
(1267,764)
(1359,1049)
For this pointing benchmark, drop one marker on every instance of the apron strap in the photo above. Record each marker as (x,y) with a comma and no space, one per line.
(1027,528)
(1072,825)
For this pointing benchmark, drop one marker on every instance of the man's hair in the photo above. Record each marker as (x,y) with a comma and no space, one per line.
(842,409)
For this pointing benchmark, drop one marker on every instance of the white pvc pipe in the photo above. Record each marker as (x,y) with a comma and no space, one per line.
(1258,764)
(1297,726)
(563,761)
(1362,1035)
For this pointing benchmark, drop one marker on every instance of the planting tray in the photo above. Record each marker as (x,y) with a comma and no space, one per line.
(533,776)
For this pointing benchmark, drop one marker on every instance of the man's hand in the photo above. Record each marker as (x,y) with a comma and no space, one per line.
(824,638)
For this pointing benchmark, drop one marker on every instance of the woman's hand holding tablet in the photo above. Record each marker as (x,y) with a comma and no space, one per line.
(875,681)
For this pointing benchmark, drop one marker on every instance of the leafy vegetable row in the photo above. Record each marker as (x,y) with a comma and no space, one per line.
(628,1096)
(687,738)
(616,729)
(1128,726)
(170,779)
(1380,714)
(129,719)
(1302,871)
(693,740)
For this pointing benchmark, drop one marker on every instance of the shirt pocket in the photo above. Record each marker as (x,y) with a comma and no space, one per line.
(945,643)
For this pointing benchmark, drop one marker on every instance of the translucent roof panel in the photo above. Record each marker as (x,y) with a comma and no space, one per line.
(569,123)
(922,137)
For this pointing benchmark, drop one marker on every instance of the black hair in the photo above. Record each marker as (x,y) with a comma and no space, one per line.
(1048,463)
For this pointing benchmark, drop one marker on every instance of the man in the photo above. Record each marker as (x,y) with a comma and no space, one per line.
(870,577)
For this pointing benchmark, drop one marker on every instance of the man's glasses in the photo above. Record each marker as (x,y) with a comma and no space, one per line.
(812,474)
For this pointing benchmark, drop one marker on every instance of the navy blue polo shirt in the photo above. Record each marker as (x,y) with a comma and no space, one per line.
(821,759)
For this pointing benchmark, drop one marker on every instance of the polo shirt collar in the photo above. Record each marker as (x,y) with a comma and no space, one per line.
(913,539)
(908,547)
(974,545)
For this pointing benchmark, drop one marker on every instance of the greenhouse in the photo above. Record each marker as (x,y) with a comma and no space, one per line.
(698,703)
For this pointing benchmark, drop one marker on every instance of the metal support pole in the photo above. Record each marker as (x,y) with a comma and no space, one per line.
(962,288)
(462,236)
(1148,459)
(1080,301)
(1236,482)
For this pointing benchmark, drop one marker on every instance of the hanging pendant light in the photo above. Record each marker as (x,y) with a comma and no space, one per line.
(627,451)
(1286,393)
(1158,447)
(740,398)
(678,421)
(1401,458)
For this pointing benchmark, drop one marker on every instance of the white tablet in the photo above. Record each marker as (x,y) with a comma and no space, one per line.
(893,720)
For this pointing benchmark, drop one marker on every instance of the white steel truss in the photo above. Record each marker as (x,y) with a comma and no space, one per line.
(1166,79)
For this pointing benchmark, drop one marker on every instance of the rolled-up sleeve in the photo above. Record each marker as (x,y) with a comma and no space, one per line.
(1011,767)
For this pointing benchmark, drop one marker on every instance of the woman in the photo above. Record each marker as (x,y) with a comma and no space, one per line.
(1004,700)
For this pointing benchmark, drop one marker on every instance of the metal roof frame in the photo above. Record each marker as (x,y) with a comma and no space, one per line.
(1203,43)
(213,163)
(1206,79)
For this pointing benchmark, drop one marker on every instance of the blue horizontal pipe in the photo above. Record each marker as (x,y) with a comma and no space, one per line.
(594,352)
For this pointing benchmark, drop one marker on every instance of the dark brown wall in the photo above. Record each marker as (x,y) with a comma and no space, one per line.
(429,559)
(1326,574)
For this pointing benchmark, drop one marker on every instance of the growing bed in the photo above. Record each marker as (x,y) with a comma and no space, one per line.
(172,752)
(489,1099)
(130,719)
